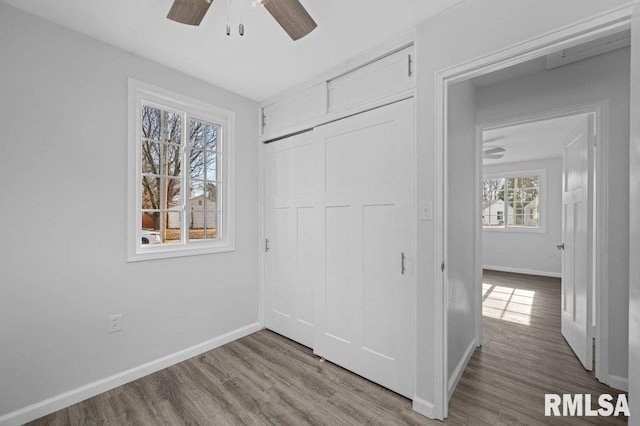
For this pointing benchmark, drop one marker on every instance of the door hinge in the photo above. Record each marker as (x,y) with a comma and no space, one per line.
(442,267)
(264,120)
(410,62)
(266,244)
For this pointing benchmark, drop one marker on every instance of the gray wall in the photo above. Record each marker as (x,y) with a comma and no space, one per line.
(63,115)
(598,78)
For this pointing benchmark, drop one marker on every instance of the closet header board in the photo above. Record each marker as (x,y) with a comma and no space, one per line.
(370,84)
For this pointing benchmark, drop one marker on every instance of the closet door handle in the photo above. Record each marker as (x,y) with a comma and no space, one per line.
(402,268)
(560,246)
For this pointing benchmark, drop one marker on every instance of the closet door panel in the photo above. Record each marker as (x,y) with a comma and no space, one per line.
(283,250)
(292,184)
(377,332)
(307,248)
(340,274)
(377,80)
(358,161)
(364,307)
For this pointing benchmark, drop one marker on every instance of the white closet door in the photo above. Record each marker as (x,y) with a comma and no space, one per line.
(292,184)
(364,300)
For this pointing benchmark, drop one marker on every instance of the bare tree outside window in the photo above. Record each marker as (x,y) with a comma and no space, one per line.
(493,202)
(511,202)
(164,154)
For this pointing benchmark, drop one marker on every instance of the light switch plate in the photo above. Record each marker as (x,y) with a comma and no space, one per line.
(426,210)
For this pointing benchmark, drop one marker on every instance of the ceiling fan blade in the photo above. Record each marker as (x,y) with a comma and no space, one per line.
(189,12)
(292,17)
(495,150)
(492,156)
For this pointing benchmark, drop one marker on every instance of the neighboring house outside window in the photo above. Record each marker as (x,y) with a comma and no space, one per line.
(180,177)
(514,201)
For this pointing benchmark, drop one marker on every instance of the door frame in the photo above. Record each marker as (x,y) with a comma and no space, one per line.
(598,233)
(613,21)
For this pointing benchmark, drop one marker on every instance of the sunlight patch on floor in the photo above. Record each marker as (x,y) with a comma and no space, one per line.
(508,304)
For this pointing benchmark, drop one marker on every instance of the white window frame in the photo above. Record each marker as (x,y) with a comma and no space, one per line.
(139,93)
(541,174)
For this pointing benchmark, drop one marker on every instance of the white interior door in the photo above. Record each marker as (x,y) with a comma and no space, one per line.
(364,303)
(576,272)
(293,178)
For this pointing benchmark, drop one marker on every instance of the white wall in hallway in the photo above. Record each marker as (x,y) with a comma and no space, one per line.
(604,77)
(529,252)
(461,222)
(63,115)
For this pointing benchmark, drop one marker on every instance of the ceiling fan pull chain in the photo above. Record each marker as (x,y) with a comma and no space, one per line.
(228,19)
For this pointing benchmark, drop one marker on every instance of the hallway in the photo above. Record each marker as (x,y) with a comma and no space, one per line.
(523,357)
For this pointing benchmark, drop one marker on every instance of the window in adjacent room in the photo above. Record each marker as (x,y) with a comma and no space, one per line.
(513,201)
(181,161)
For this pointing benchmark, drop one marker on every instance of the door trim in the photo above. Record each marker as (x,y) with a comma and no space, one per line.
(615,20)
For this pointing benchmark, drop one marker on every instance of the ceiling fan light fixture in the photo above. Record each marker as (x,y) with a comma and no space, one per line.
(495,150)
(494,153)
(290,14)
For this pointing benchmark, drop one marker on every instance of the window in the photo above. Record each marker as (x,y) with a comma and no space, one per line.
(513,201)
(180,155)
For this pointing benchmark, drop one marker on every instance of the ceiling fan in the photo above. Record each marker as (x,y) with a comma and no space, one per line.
(493,153)
(290,14)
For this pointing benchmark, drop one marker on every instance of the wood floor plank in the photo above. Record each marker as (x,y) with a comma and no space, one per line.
(266,379)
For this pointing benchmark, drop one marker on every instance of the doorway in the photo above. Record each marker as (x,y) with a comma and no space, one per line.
(460,271)
(538,207)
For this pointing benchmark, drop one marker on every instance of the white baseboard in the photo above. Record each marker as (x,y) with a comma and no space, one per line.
(523,271)
(457,373)
(423,407)
(620,383)
(74,396)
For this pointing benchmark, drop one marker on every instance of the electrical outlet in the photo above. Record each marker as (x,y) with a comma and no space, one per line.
(115,323)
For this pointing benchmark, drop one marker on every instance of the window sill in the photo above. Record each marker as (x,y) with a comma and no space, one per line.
(517,230)
(139,254)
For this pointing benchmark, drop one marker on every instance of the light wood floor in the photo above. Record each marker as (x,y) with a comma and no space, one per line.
(267,379)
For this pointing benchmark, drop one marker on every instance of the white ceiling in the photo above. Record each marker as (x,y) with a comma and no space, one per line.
(578,52)
(263,62)
(531,141)
(515,71)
